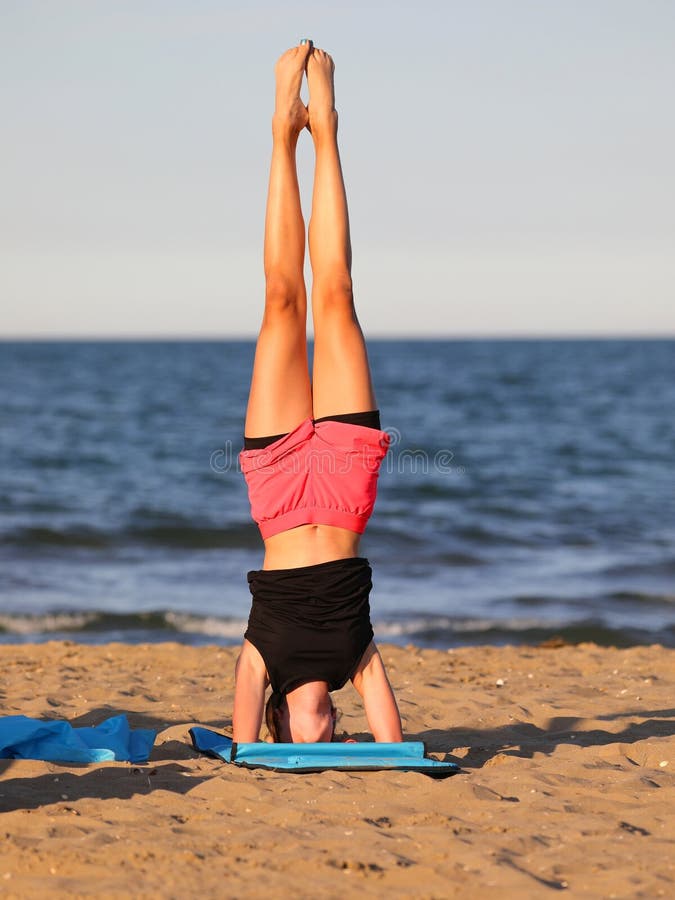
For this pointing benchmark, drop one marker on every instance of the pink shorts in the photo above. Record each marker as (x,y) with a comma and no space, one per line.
(322,473)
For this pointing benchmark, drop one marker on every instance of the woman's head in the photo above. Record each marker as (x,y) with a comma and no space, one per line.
(302,716)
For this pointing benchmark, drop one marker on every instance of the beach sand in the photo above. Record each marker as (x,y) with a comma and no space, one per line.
(567,782)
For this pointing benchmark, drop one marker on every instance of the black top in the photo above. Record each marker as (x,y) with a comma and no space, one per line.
(311,623)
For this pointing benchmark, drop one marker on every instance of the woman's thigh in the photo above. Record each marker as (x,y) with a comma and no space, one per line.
(281,395)
(342,381)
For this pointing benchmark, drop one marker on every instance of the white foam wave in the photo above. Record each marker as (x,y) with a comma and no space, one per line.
(207,625)
(45,623)
(443,624)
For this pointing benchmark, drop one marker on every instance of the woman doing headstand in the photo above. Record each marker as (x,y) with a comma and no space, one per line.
(312,450)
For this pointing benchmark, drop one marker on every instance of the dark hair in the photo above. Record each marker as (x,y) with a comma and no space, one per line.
(274,702)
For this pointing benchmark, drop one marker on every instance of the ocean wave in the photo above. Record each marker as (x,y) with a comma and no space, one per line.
(36,536)
(424,630)
(74,623)
(211,626)
(641,597)
(457,558)
(650,567)
(440,631)
(44,624)
(196,537)
(482,535)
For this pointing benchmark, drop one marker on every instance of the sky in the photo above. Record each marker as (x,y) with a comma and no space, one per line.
(509,165)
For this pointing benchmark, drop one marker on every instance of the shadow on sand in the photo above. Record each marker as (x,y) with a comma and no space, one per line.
(524,740)
(519,739)
(108,781)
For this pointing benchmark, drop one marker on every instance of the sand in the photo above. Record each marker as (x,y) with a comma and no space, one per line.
(567,782)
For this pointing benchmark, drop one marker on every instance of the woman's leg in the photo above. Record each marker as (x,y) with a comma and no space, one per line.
(280,396)
(341,376)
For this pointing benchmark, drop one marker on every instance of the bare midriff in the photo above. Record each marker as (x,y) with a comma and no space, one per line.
(308,545)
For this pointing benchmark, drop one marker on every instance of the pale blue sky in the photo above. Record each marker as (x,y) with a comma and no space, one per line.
(509,164)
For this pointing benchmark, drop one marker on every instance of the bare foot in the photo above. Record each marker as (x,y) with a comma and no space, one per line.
(290,113)
(321,108)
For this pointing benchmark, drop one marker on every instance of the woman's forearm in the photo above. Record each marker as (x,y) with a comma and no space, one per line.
(249,696)
(382,713)
(373,685)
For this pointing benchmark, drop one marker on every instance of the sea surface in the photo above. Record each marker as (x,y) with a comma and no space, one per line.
(528,495)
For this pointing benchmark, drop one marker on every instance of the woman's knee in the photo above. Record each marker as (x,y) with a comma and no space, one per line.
(334,296)
(283,297)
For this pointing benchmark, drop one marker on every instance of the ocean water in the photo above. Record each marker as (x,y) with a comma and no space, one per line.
(528,493)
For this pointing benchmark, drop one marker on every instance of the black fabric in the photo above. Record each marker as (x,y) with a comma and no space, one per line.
(369,419)
(260,443)
(311,623)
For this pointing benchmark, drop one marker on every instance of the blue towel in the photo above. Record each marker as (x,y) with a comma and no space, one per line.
(58,741)
(408,756)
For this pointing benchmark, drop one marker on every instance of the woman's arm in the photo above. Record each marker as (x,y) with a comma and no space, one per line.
(370,680)
(249,695)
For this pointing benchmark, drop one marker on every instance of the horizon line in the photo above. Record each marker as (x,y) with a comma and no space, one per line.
(377,336)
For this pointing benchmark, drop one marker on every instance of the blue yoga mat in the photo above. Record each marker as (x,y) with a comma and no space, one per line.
(58,741)
(406,756)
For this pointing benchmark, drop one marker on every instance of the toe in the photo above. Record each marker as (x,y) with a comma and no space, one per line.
(286,55)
